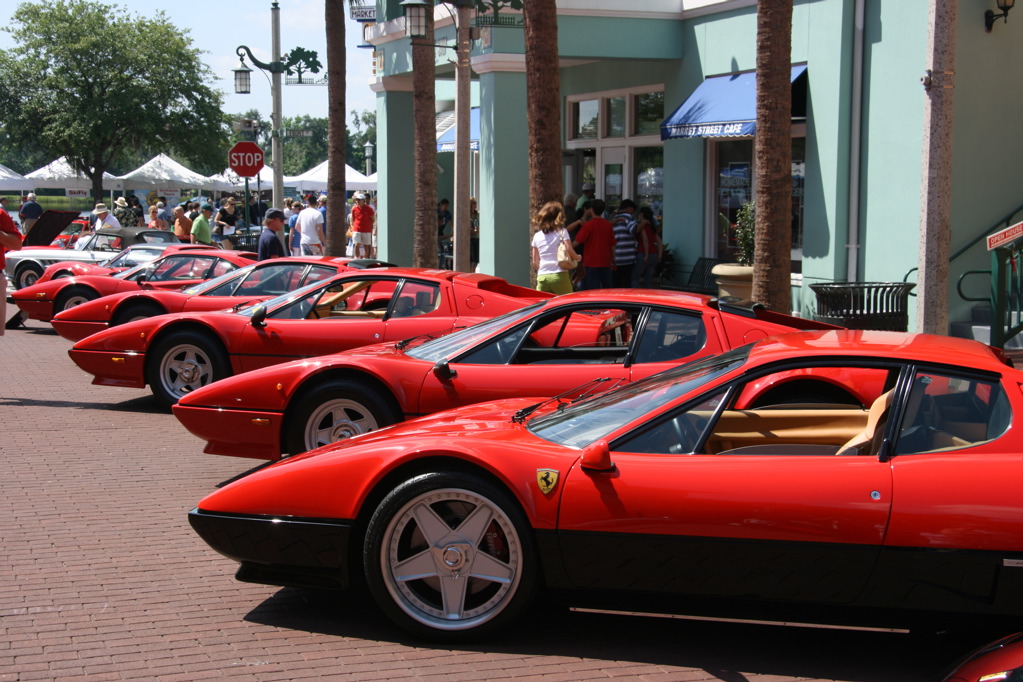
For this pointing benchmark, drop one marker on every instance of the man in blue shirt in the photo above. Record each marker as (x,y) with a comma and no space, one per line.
(270,240)
(29,213)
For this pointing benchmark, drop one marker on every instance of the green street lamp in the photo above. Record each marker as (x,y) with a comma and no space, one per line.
(298,60)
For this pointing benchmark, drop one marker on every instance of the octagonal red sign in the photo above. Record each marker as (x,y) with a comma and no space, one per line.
(245,159)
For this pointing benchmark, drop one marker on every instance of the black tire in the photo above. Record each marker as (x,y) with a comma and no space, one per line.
(335,410)
(73,296)
(183,361)
(135,311)
(488,568)
(26,275)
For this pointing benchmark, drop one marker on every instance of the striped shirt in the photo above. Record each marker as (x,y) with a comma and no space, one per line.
(625,238)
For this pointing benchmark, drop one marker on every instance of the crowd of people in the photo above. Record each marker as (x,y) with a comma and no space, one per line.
(579,244)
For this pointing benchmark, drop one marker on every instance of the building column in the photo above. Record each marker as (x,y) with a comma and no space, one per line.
(395,208)
(504,167)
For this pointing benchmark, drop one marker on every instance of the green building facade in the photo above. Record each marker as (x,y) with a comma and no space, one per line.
(626,67)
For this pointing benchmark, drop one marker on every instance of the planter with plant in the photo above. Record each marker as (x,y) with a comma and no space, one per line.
(735,280)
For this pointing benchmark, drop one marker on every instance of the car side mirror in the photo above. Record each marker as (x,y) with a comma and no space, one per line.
(259,317)
(597,457)
(143,276)
(443,371)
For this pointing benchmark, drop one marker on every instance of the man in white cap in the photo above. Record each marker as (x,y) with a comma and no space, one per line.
(123,213)
(29,212)
(589,192)
(362,226)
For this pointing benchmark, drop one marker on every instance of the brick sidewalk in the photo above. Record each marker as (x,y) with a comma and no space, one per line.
(101,577)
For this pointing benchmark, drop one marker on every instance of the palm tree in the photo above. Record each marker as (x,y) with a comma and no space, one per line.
(773,153)
(336,227)
(543,102)
(424,122)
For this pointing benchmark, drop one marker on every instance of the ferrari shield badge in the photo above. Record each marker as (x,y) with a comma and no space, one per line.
(546,479)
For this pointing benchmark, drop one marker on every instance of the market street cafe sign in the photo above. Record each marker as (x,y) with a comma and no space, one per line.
(1004,237)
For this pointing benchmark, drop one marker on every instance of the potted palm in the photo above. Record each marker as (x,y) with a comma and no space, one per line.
(736,279)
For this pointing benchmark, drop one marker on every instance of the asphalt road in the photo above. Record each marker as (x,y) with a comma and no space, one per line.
(101,577)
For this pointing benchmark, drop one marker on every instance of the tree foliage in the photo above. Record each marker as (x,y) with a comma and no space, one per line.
(93,83)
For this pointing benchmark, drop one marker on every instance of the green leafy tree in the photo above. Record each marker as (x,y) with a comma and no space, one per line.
(93,83)
(365,125)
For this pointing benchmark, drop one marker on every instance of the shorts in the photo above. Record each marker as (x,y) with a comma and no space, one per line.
(364,238)
(557,283)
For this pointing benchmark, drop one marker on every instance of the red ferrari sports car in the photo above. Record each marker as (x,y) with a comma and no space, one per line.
(253,283)
(678,492)
(176,354)
(617,335)
(999,661)
(173,271)
(135,254)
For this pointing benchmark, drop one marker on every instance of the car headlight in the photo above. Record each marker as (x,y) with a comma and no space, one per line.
(1015,675)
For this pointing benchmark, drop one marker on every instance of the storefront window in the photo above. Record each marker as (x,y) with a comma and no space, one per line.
(649,113)
(612,184)
(649,176)
(586,115)
(616,109)
(734,186)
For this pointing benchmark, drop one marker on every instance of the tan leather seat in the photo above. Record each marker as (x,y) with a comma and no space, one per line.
(869,440)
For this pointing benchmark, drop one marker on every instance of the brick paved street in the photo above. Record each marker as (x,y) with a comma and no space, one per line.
(101,577)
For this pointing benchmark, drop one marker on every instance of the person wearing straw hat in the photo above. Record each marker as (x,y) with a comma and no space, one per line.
(123,213)
(104,218)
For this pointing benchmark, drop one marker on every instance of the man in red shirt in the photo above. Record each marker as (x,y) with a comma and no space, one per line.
(596,236)
(10,240)
(362,226)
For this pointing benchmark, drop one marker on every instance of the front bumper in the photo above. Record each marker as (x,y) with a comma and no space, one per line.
(284,551)
(41,310)
(127,369)
(236,433)
(76,330)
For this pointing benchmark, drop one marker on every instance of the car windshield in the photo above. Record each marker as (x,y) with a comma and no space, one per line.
(217,281)
(130,273)
(454,343)
(130,257)
(277,302)
(578,424)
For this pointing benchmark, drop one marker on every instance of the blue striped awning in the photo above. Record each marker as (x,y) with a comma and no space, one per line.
(721,106)
(446,142)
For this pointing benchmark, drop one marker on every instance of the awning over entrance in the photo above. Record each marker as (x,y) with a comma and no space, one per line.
(446,142)
(726,106)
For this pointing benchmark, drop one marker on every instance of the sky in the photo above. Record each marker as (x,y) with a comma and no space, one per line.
(218,27)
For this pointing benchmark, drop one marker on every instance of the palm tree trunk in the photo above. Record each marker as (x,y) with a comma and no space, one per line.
(337,225)
(543,102)
(773,153)
(424,121)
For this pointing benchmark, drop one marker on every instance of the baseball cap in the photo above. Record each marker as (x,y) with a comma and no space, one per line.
(273,213)
(206,207)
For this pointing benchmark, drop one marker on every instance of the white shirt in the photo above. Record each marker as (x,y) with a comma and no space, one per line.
(309,219)
(547,244)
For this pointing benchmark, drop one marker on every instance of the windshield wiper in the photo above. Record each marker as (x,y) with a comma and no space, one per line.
(404,343)
(582,389)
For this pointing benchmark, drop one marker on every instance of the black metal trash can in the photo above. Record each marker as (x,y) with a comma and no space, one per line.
(864,305)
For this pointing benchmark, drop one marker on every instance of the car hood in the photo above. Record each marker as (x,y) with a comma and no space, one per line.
(49,225)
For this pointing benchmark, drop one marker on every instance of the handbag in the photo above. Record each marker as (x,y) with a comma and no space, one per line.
(565,261)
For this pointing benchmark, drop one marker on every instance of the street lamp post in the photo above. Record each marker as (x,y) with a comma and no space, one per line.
(415,28)
(242,85)
(368,150)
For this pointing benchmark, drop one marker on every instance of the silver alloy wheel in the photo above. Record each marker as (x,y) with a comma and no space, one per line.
(75,300)
(184,368)
(336,420)
(451,559)
(28,276)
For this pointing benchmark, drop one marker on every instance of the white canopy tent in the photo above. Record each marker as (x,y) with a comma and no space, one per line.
(59,174)
(315,180)
(229,181)
(163,172)
(10,180)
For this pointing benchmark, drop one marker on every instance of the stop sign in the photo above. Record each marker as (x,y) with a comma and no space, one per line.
(245,159)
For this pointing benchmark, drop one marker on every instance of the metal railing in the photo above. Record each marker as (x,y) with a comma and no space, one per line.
(1006,290)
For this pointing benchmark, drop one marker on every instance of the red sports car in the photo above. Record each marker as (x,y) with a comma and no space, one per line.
(618,335)
(176,354)
(43,300)
(135,254)
(999,661)
(253,283)
(669,494)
